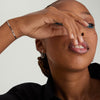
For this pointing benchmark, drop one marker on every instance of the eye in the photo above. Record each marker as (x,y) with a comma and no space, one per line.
(60,24)
(91,25)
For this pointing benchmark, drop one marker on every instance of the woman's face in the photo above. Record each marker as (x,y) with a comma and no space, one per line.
(57,48)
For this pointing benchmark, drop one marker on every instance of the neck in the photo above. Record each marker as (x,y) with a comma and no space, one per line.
(72,85)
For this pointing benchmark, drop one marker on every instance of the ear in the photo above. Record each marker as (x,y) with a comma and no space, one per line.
(40,45)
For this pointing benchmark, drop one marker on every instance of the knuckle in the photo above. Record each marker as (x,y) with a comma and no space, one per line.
(52,9)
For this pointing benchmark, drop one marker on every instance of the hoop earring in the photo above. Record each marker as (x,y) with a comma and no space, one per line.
(42,55)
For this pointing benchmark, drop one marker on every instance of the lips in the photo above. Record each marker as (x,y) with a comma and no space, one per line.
(81,48)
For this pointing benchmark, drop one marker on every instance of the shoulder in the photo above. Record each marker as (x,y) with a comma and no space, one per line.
(95,77)
(94,69)
(26,90)
(26,87)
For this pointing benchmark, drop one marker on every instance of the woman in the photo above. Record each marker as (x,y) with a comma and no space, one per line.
(63,33)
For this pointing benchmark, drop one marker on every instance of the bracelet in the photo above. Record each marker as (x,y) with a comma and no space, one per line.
(11,30)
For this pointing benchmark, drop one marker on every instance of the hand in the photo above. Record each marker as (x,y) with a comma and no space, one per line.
(51,22)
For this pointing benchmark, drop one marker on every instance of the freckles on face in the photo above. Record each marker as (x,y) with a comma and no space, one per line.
(90,33)
(91,38)
(59,54)
(57,48)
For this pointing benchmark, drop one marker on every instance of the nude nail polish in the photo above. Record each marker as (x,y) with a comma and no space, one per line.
(81,39)
(72,36)
(76,42)
(86,23)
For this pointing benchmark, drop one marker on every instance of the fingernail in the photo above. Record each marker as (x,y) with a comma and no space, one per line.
(76,42)
(72,36)
(86,23)
(81,39)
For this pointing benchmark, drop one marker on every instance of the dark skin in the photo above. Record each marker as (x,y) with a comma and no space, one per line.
(69,69)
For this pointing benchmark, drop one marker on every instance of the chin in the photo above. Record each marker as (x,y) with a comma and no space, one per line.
(78,65)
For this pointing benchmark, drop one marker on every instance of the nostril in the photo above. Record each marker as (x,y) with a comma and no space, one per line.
(82,34)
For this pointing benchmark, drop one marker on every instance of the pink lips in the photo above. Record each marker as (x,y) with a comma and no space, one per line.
(79,50)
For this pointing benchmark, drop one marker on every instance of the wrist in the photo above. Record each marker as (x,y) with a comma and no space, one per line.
(15,25)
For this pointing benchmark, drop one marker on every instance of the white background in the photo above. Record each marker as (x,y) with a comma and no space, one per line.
(18,63)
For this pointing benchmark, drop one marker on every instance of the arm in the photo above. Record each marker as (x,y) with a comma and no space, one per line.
(6,36)
(37,25)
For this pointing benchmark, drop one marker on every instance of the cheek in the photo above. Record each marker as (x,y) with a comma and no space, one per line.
(91,38)
(55,47)
(57,54)
(50,48)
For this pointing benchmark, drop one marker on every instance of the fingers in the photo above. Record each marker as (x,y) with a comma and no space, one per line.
(77,18)
(80,38)
(75,31)
(81,21)
(68,20)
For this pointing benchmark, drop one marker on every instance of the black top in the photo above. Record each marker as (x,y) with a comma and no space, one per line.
(33,91)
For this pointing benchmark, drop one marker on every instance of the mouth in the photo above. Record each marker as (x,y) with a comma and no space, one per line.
(81,48)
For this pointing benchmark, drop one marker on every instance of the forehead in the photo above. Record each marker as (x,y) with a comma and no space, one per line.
(71,5)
